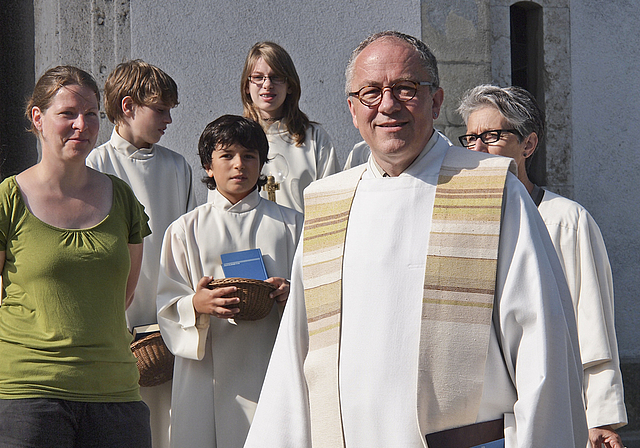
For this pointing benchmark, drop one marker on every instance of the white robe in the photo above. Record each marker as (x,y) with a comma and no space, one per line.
(533,370)
(583,256)
(358,155)
(162,181)
(219,366)
(295,167)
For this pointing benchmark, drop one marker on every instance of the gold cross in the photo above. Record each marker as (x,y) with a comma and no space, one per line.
(271,187)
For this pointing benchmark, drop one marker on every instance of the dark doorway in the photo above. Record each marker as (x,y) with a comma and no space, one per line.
(17,147)
(527,60)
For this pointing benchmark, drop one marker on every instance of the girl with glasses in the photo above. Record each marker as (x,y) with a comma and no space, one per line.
(300,151)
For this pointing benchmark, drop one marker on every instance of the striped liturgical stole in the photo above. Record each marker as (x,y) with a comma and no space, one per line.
(458,294)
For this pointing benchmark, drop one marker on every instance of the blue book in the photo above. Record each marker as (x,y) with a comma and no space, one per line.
(244,264)
(495,444)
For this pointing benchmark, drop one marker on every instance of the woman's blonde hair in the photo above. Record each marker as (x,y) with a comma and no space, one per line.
(295,121)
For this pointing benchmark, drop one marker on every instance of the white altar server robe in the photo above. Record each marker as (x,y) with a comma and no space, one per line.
(161,179)
(314,159)
(219,366)
(583,256)
(533,369)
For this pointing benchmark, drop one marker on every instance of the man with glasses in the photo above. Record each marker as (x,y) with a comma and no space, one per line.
(419,313)
(508,122)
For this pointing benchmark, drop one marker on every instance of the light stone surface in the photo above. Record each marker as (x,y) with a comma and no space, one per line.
(457,78)
(501,45)
(557,86)
(459,34)
(94,36)
(605,93)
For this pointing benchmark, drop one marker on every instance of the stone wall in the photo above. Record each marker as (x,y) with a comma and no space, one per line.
(94,36)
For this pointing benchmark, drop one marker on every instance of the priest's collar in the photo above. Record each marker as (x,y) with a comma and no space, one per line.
(378,172)
(246,204)
(124,147)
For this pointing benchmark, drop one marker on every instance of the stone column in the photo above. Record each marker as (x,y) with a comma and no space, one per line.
(459,34)
(557,90)
(92,35)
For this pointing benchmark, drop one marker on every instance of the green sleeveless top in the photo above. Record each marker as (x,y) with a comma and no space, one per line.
(63,332)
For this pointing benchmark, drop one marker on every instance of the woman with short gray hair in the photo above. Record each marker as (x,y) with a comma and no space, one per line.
(508,122)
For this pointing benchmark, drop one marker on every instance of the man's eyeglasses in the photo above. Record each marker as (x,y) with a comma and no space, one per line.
(403,91)
(261,79)
(487,137)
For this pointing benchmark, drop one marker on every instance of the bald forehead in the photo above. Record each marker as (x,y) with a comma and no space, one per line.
(387,59)
(390,40)
(384,47)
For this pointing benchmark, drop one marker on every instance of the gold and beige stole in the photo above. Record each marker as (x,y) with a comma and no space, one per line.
(457,301)
(325,228)
(459,289)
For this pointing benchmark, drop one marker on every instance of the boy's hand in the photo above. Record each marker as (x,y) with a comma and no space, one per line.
(282,293)
(211,301)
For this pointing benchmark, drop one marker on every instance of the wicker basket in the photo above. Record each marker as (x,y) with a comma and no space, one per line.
(255,303)
(155,361)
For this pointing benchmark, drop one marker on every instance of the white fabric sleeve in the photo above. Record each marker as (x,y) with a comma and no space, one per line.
(537,330)
(184,335)
(604,395)
(358,155)
(326,159)
(582,252)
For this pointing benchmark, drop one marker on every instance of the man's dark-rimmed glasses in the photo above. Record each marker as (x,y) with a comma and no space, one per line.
(403,91)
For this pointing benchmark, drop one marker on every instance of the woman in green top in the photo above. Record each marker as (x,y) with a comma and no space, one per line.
(70,253)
